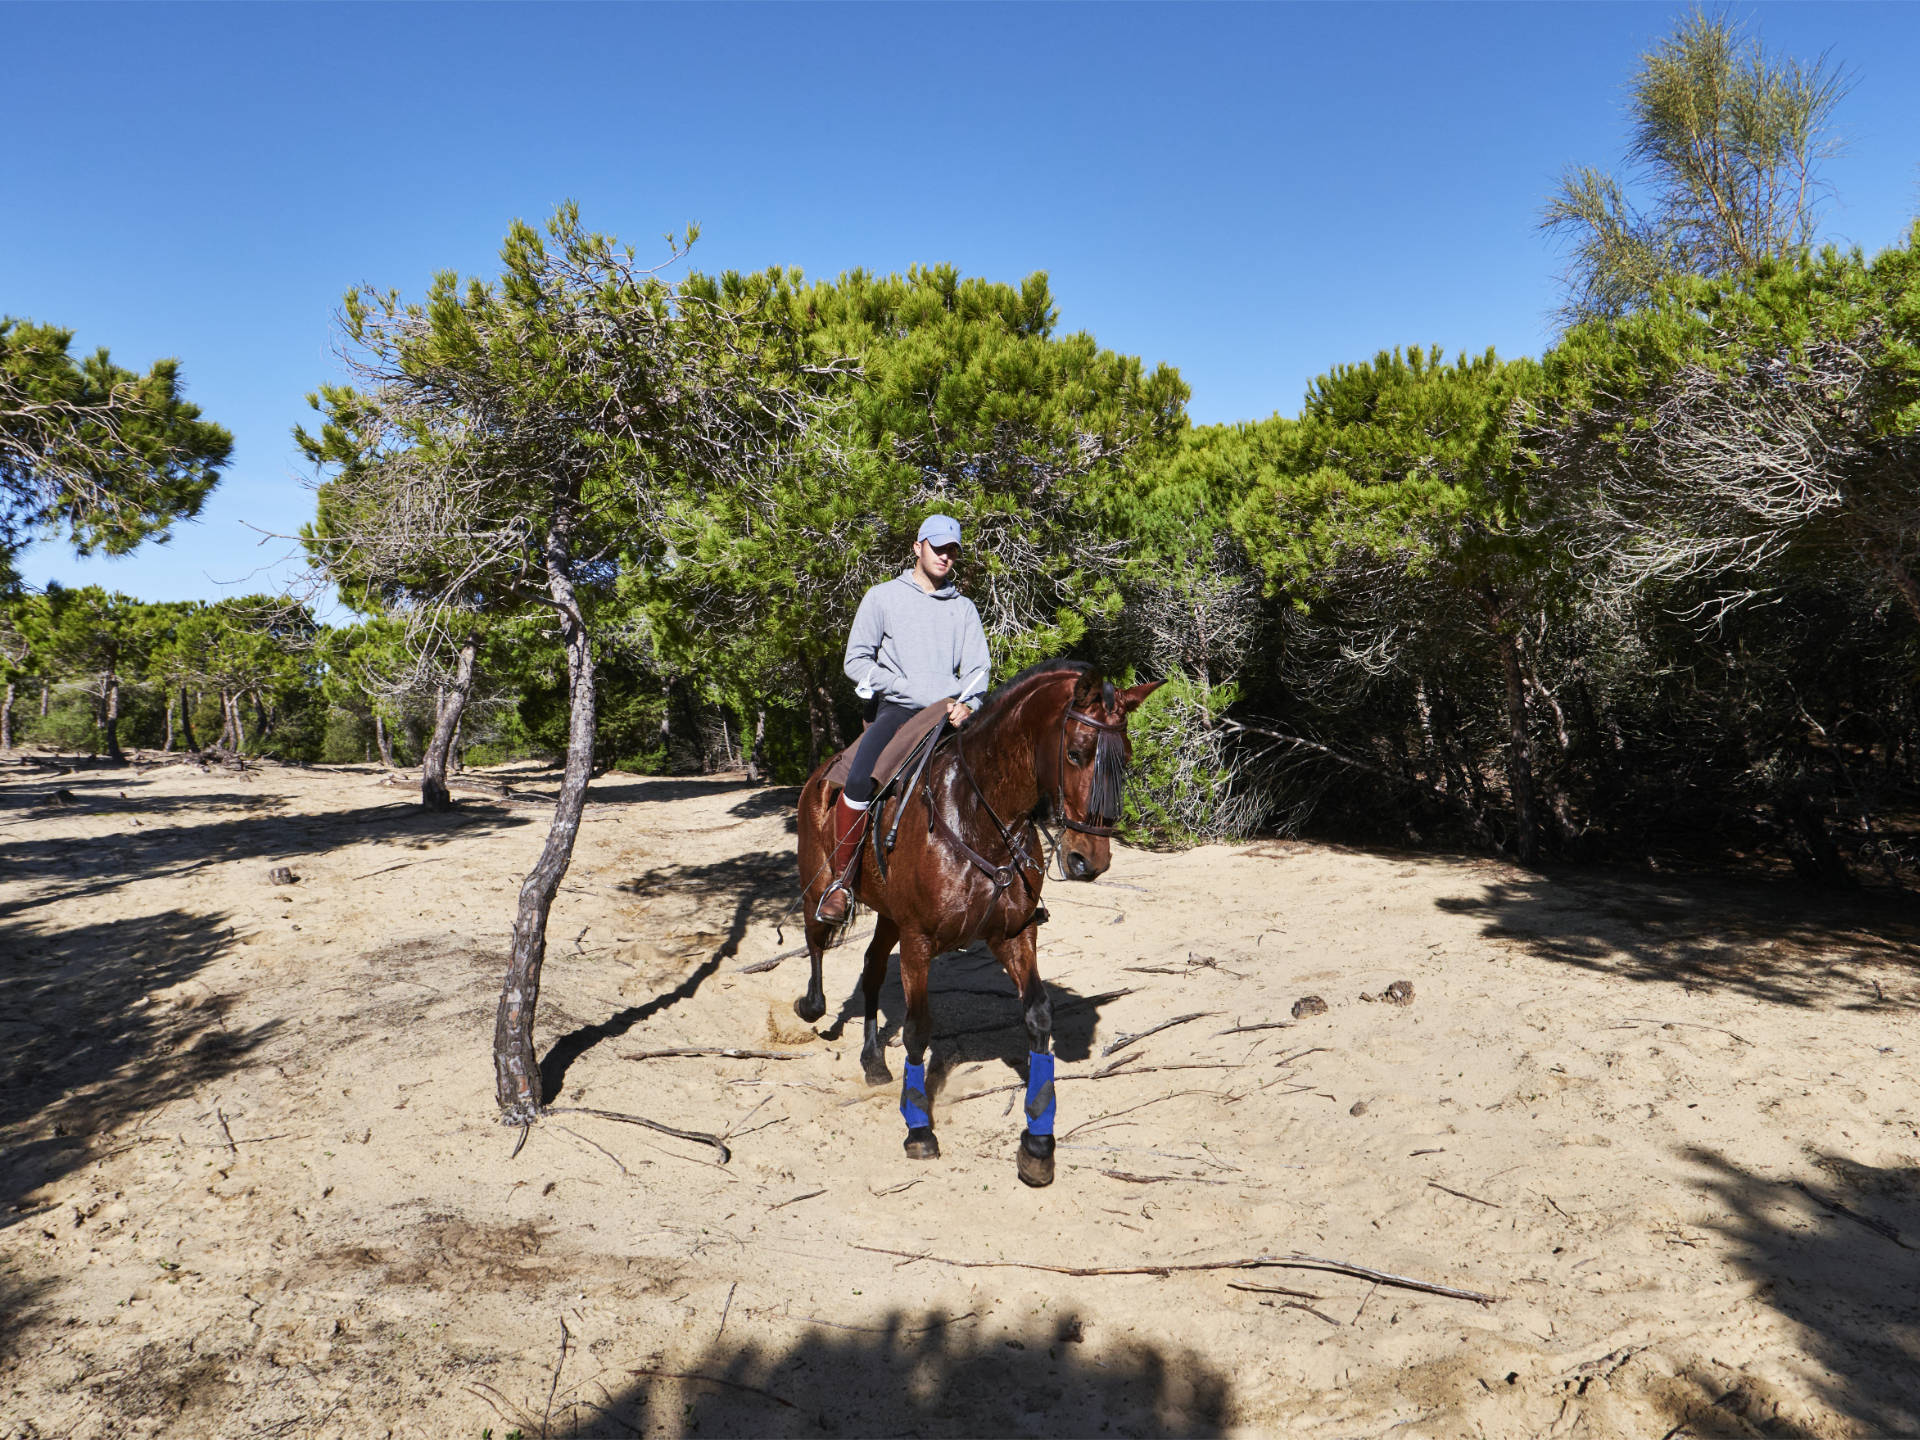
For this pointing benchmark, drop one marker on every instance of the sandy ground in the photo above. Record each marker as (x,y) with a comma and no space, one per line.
(252,1184)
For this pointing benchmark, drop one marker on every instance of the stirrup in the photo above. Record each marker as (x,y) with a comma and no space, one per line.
(841,886)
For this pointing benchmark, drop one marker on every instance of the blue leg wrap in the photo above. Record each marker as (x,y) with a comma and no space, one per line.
(913,1097)
(1039,1093)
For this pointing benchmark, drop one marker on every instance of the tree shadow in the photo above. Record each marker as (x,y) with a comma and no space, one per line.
(106,794)
(78,867)
(754,882)
(764,881)
(18,1294)
(84,1046)
(925,1374)
(575,1043)
(662,791)
(1769,942)
(976,1012)
(1850,1291)
(776,800)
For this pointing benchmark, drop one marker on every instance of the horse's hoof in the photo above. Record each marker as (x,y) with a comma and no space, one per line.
(921,1145)
(877,1072)
(1035,1159)
(810,1007)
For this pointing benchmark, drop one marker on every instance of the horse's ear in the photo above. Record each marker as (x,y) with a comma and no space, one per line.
(1086,689)
(1131,697)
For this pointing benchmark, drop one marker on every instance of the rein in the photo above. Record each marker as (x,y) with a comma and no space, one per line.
(1107,777)
(1000,875)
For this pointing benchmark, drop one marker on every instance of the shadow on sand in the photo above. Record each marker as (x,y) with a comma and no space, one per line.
(911,1374)
(758,886)
(1776,943)
(1848,1287)
(76,867)
(976,1014)
(85,1048)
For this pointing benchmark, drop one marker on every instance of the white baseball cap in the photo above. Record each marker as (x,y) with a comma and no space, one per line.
(940,529)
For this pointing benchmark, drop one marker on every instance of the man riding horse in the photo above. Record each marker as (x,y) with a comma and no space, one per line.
(916,640)
(1048,748)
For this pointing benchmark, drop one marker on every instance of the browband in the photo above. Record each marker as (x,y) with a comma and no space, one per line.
(1086,719)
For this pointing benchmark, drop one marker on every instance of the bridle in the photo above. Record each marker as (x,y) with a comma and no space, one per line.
(1023,862)
(1105,728)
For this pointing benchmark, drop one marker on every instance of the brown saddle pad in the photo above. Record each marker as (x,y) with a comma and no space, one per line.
(896,751)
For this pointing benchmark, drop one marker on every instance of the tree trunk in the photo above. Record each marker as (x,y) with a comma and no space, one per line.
(1559,808)
(186,721)
(813,725)
(516,1069)
(753,746)
(113,717)
(833,720)
(1519,749)
(6,719)
(381,739)
(1897,574)
(167,745)
(446,720)
(46,689)
(1430,748)
(1809,845)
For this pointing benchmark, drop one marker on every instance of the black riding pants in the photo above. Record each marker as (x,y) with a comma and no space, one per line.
(866,754)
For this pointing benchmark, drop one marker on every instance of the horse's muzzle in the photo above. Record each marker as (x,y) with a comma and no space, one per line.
(1077,866)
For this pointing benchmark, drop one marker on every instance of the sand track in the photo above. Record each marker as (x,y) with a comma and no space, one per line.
(252,1186)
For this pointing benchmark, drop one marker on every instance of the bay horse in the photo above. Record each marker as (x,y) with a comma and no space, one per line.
(1050,745)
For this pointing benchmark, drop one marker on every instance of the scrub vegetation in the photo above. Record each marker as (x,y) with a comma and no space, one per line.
(1651,593)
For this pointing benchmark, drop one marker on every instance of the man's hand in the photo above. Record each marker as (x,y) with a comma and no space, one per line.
(957,712)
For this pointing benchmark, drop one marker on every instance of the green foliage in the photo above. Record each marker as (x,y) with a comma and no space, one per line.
(945,393)
(1184,788)
(1725,427)
(1726,147)
(105,455)
(1404,468)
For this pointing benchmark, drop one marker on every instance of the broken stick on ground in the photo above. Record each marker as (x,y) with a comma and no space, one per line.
(1256,1262)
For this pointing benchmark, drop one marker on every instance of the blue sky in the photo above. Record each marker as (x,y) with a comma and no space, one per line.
(1251,193)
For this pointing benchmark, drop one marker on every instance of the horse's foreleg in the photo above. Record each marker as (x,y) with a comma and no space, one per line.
(916,956)
(1021,958)
(812,1005)
(873,1049)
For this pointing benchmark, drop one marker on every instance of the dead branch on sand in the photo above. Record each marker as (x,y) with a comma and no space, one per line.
(1126,1040)
(698,1137)
(1295,1261)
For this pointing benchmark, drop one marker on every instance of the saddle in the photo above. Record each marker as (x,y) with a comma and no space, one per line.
(895,773)
(893,757)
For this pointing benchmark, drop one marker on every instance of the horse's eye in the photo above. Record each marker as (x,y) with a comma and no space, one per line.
(1078,757)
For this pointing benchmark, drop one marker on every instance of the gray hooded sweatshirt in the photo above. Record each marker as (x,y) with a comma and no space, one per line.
(912,648)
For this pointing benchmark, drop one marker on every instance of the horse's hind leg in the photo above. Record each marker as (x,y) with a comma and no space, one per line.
(812,1005)
(873,1049)
(916,956)
(1020,956)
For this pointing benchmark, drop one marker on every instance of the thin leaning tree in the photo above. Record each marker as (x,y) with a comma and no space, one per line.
(513,445)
